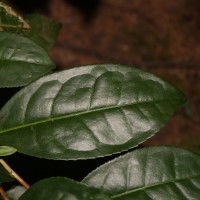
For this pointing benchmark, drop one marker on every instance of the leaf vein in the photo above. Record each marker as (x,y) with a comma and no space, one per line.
(101,109)
(154,185)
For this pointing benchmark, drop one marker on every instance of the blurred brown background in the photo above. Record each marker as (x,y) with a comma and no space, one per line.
(162,37)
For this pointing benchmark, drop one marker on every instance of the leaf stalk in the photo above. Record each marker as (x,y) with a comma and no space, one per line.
(3,194)
(14,174)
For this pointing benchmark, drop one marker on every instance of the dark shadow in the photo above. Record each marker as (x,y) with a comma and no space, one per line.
(6,94)
(33,169)
(88,8)
(29,6)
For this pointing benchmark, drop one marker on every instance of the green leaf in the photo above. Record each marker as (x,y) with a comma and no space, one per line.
(43,30)
(11,21)
(87,112)
(4,176)
(6,151)
(21,60)
(158,173)
(62,189)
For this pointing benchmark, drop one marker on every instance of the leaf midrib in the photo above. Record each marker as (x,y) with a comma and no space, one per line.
(82,113)
(153,185)
(45,64)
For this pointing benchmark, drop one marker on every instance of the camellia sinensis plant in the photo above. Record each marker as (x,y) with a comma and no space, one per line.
(85,113)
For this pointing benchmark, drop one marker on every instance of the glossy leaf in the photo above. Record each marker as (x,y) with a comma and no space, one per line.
(6,151)
(87,112)
(4,176)
(11,21)
(42,30)
(21,60)
(158,173)
(62,189)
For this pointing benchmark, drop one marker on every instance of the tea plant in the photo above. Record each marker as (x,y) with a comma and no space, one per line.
(85,113)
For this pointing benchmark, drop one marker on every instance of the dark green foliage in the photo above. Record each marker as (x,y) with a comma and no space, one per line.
(21,60)
(88,112)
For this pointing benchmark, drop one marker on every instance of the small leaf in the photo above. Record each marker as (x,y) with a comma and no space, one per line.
(21,60)
(6,151)
(11,21)
(62,189)
(150,173)
(87,112)
(5,176)
(43,30)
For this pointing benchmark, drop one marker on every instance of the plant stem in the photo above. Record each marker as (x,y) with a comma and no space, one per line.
(14,174)
(3,194)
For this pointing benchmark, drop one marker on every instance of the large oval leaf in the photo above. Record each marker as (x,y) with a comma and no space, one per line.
(87,112)
(158,173)
(21,60)
(62,189)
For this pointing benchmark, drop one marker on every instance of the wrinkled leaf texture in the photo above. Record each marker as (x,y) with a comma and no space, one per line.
(21,60)
(159,173)
(62,189)
(87,112)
